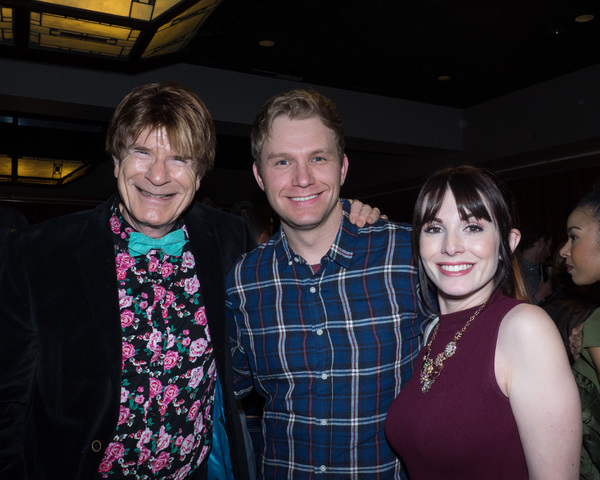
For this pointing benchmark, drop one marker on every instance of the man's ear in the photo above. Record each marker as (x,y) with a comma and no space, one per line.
(344,170)
(117,164)
(257,176)
(514,237)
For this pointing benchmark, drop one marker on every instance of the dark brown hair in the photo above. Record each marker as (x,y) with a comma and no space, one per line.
(479,193)
(177,109)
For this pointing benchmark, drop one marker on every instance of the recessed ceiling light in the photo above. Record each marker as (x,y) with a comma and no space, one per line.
(266,43)
(444,78)
(588,17)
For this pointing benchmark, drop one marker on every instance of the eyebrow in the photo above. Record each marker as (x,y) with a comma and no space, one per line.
(174,154)
(469,218)
(574,227)
(311,154)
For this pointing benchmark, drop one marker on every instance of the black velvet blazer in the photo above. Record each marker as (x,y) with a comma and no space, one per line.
(60,334)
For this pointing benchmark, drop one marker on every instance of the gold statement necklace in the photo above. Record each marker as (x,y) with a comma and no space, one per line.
(433,368)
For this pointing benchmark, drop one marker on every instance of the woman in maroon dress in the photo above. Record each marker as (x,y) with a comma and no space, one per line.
(493,395)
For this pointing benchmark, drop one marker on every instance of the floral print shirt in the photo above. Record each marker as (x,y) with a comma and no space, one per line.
(168,370)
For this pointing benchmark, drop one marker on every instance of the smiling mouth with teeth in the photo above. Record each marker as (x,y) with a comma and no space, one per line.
(456,268)
(304,199)
(148,194)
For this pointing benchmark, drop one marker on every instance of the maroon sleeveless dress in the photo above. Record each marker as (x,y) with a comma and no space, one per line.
(463,427)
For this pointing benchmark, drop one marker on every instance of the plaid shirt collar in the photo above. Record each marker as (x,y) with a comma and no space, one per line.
(341,250)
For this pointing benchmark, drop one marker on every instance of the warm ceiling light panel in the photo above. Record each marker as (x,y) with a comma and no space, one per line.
(80,36)
(137,9)
(174,35)
(6,26)
(70,32)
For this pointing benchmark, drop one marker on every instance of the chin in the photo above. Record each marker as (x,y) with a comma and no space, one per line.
(458,292)
(456,295)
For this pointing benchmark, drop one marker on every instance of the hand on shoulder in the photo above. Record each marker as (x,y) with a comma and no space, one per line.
(362,214)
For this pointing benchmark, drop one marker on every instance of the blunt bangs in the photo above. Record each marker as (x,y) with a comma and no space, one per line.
(469,202)
(480,194)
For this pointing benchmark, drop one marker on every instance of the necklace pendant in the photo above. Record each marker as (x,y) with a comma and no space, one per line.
(450,349)
(439,360)
(426,372)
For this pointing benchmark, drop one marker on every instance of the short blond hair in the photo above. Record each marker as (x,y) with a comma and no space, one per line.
(296,105)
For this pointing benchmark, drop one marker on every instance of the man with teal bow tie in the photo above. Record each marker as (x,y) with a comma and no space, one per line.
(113,320)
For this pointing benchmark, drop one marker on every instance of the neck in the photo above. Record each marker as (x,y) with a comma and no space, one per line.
(312,244)
(449,304)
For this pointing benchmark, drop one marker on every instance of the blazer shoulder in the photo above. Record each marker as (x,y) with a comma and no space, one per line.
(65,232)
(232,233)
(218,218)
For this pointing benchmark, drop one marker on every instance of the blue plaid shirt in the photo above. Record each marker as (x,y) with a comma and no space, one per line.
(329,351)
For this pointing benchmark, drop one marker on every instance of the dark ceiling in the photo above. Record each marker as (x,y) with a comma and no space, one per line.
(395,48)
(399,48)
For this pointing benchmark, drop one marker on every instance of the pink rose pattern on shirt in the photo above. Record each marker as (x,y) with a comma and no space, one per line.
(168,369)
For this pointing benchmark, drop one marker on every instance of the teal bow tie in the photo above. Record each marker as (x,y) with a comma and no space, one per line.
(170,244)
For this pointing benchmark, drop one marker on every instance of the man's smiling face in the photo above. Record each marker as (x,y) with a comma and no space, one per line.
(301,173)
(156,183)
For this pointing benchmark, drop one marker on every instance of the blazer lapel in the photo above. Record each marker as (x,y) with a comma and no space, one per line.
(209,268)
